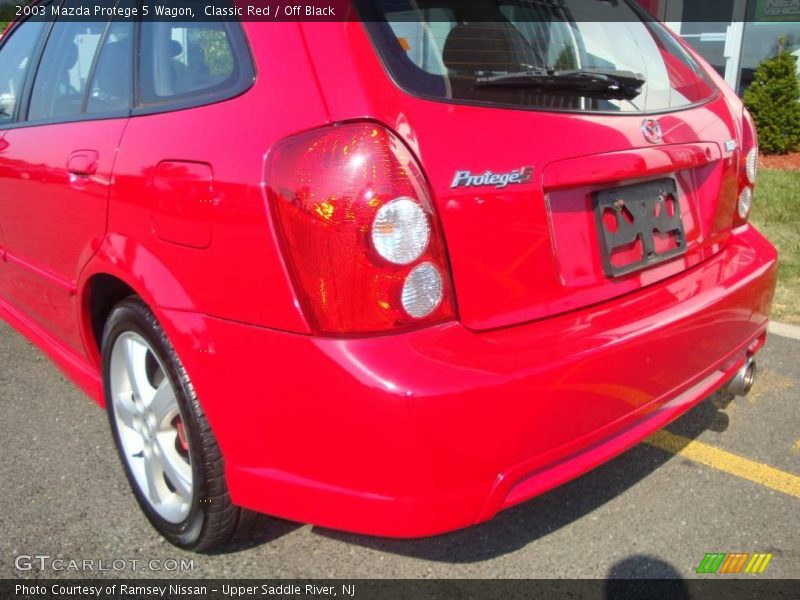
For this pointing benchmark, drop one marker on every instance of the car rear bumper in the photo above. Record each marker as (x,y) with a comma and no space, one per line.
(429,431)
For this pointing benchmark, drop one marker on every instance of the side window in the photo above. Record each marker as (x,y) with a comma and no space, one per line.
(66,64)
(181,61)
(423,41)
(15,58)
(111,87)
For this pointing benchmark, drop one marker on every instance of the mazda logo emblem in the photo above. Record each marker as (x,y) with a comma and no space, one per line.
(652,131)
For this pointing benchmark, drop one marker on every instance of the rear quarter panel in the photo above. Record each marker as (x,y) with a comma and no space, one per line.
(237,272)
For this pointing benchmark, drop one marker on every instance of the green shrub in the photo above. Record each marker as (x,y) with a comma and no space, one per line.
(774,101)
(5,16)
(8,10)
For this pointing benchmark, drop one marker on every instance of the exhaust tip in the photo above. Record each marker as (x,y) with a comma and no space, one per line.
(743,381)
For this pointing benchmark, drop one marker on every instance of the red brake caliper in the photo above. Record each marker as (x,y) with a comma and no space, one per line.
(182,434)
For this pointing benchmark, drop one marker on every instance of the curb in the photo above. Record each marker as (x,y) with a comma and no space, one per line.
(784,330)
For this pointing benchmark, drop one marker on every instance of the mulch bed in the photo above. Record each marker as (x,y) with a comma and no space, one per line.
(787,162)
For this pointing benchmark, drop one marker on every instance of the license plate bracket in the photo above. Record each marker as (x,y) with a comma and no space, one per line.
(639,226)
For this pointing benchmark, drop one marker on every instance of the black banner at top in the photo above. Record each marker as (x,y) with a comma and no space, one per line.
(370,10)
(186,10)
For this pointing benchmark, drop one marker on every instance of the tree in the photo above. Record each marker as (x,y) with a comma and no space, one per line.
(774,101)
(7,12)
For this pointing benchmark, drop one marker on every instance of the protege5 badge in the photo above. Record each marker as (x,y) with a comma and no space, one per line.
(499,180)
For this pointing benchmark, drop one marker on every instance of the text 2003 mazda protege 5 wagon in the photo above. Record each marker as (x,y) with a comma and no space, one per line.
(391,275)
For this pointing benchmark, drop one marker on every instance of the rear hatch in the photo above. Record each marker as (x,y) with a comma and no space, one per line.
(536,249)
(571,161)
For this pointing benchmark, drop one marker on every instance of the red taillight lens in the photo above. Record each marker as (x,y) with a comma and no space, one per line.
(350,264)
(748,169)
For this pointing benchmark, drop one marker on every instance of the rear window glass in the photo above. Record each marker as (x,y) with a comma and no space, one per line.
(64,69)
(111,90)
(188,60)
(576,55)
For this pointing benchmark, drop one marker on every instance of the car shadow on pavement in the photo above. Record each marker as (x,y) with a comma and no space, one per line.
(643,568)
(516,527)
(708,415)
(266,529)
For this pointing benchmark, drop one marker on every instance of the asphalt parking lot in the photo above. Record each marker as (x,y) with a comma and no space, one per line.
(725,478)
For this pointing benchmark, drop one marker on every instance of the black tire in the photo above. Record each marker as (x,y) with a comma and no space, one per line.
(212,521)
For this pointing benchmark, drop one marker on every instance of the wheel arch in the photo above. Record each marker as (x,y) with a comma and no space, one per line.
(120,268)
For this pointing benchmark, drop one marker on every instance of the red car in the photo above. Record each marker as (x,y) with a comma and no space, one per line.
(390,275)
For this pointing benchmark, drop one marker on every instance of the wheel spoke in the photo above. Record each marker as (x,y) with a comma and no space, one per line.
(163,403)
(154,474)
(136,364)
(125,410)
(177,470)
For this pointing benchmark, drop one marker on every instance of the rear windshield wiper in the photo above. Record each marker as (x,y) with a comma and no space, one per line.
(606,83)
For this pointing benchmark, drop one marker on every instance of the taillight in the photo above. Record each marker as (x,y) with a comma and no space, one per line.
(748,170)
(359,233)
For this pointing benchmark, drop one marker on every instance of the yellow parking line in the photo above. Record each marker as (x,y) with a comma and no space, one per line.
(721,460)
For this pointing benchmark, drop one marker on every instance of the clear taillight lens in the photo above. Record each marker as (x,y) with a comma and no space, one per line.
(400,231)
(751,165)
(358,230)
(745,203)
(748,170)
(422,291)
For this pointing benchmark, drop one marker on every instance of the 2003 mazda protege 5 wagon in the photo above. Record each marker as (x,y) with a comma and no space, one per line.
(390,275)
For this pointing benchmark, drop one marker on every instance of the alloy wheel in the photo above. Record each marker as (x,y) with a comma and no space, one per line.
(151,427)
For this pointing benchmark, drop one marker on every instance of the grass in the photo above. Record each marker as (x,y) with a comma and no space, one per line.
(776,214)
